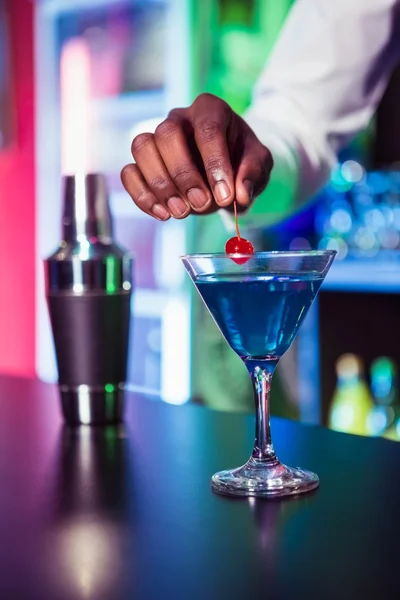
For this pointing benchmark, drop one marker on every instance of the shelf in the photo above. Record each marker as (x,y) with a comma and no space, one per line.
(122,206)
(153,303)
(59,7)
(130,107)
(375,275)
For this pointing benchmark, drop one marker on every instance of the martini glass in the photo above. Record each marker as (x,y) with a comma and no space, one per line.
(259,301)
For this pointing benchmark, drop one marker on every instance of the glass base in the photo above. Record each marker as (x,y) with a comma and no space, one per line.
(264,479)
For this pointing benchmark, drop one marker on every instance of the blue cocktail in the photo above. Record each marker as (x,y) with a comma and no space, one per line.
(259,304)
(259,315)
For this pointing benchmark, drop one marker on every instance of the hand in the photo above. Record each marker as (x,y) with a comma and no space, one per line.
(199,159)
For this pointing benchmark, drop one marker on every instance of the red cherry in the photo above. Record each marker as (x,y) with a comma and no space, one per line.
(238,245)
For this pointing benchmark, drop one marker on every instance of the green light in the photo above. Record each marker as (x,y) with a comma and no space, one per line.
(110,274)
(110,388)
(111,434)
(113,274)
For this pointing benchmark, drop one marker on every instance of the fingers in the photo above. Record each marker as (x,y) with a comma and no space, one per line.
(198,160)
(172,144)
(137,188)
(253,171)
(211,119)
(154,172)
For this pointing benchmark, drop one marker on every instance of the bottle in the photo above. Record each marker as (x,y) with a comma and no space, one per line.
(393,432)
(352,401)
(88,289)
(387,392)
(384,391)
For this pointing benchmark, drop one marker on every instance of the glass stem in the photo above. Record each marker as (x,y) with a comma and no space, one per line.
(261,376)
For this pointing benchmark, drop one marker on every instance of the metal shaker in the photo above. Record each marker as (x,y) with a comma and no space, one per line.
(88,291)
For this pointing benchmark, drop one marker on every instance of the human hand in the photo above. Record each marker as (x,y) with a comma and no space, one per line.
(200,159)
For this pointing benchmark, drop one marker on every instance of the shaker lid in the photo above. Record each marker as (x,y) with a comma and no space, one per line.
(87,260)
(86,210)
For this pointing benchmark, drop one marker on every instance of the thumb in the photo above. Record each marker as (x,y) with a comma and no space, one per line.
(253,174)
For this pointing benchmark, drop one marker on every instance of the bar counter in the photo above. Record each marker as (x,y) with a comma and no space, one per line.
(127,513)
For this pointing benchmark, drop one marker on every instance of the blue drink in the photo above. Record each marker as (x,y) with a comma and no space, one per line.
(259,315)
(259,303)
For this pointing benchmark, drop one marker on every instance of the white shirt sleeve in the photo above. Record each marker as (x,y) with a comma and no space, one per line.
(320,87)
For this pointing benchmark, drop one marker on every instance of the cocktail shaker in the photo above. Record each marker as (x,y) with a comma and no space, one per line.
(88,291)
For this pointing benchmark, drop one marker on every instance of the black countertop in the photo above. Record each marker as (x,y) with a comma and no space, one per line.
(127,512)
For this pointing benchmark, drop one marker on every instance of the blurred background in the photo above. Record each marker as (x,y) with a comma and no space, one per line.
(78,79)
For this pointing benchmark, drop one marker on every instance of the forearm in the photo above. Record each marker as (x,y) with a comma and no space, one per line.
(318,91)
(300,169)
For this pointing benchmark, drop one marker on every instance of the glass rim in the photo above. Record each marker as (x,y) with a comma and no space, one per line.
(268,254)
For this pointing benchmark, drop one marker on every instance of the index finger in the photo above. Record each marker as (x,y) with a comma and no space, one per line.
(210,134)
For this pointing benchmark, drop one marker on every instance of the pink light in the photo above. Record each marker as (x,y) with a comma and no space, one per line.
(75,107)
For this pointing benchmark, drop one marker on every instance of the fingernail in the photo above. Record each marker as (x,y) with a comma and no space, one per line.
(197,198)
(177,206)
(160,212)
(222,192)
(249,187)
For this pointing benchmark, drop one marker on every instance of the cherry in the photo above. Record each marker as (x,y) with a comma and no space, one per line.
(239,245)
